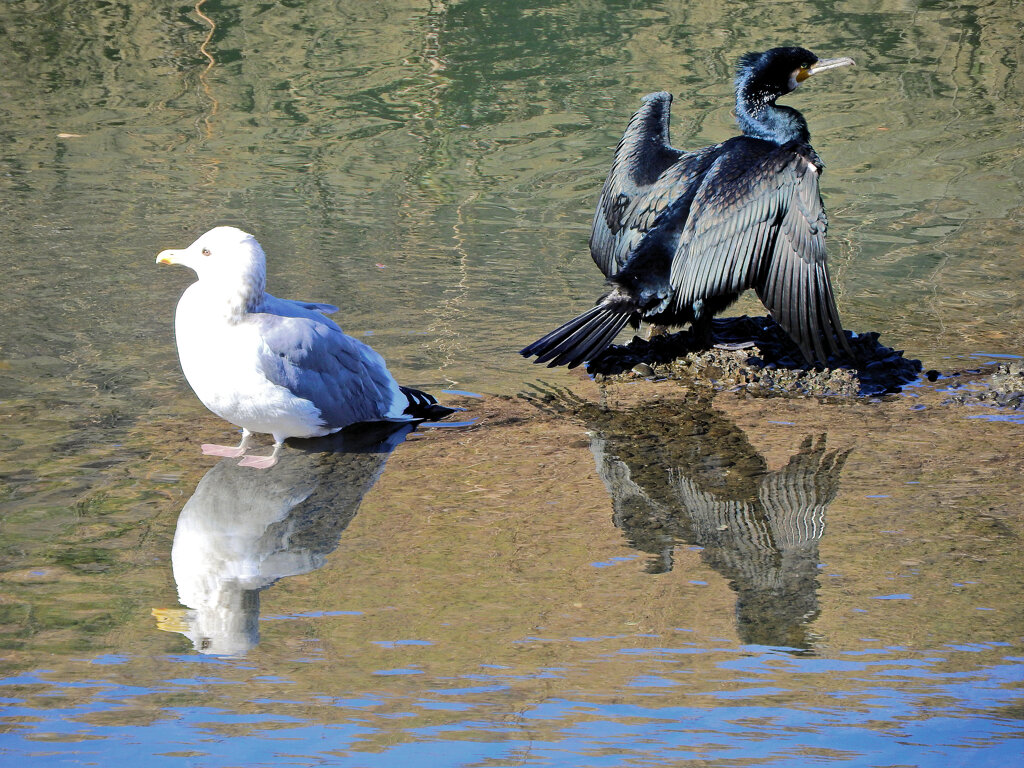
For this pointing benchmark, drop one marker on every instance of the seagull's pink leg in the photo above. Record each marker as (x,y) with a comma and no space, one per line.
(262,462)
(226,450)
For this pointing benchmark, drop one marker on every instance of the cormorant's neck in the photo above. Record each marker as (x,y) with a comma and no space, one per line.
(759,116)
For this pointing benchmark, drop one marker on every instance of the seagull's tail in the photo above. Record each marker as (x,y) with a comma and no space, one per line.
(582,338)
(424,406)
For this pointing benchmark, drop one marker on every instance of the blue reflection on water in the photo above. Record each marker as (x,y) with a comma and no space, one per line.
(309,615)
(1011,418)
(399,643)
(946,718)
(615,561)
(890,706)
(462,392)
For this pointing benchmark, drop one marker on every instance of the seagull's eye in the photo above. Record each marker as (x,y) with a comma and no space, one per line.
(206,251)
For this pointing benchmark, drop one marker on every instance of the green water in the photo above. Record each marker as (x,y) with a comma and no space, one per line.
(494,598)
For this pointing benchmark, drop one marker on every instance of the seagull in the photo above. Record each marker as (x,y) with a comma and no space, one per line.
(273,365)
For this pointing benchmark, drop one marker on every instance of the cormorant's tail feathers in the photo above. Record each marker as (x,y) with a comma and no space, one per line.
(580,339)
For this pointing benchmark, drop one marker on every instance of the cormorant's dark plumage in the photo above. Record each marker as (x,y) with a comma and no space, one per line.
(680,235)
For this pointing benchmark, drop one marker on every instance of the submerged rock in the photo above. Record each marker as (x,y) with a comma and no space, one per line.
(1002,387)
(755,354)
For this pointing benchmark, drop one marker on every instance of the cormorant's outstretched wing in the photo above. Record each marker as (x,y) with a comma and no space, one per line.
(628,204)
(757,221)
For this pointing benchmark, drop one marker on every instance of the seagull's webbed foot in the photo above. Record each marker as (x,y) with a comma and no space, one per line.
(210,449)
(262,462)
(227,451)
(259,462)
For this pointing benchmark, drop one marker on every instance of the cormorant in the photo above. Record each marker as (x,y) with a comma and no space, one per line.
(680,235)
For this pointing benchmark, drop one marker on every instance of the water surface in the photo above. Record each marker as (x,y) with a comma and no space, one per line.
(637,576)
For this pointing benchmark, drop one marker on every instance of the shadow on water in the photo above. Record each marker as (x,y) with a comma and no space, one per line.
(242,530)
(686,474)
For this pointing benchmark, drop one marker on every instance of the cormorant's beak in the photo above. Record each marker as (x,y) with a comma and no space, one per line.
(823,65)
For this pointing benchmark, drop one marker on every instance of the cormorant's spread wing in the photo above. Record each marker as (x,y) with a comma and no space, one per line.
(628,204)
(758,221)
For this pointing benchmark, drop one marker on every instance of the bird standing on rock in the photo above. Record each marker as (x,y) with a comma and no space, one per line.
(680,235)
(275,365)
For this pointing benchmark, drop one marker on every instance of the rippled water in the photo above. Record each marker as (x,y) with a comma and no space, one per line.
(639,575)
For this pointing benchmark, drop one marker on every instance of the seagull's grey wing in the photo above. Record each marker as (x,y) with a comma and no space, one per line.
(757,221)
(292,308)
(345,379)
(318,306)
(628,205)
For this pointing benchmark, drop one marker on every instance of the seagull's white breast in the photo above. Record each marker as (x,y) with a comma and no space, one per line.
(220,360)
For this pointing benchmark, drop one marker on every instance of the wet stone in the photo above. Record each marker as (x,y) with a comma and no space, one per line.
(1002,387)
(643,369)
(755,354)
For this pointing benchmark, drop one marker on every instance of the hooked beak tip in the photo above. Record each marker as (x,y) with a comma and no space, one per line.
(824,65)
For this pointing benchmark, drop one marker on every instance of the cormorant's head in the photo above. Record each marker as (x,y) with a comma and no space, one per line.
(764,77)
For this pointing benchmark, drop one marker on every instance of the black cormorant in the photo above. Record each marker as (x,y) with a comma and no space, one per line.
(680,235)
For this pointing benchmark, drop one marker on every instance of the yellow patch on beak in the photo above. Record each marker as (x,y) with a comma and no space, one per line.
(802,74)
(171,619)
(166,257)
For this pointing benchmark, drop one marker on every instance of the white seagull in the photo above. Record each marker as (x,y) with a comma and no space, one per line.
(275,365)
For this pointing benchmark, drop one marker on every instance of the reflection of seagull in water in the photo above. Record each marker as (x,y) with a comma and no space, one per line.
(241,531)
(684,473)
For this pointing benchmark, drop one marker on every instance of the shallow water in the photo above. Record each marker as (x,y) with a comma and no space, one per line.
(639,575)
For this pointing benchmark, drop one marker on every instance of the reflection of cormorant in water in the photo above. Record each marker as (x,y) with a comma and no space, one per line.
(684,473)
(242,530)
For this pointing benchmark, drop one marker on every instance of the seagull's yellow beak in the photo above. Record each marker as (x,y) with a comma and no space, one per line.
(167,257)
(171,619)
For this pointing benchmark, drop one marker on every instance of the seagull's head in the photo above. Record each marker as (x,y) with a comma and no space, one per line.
(224,257)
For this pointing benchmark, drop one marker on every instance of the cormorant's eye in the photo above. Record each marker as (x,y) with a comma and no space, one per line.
(206,251)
